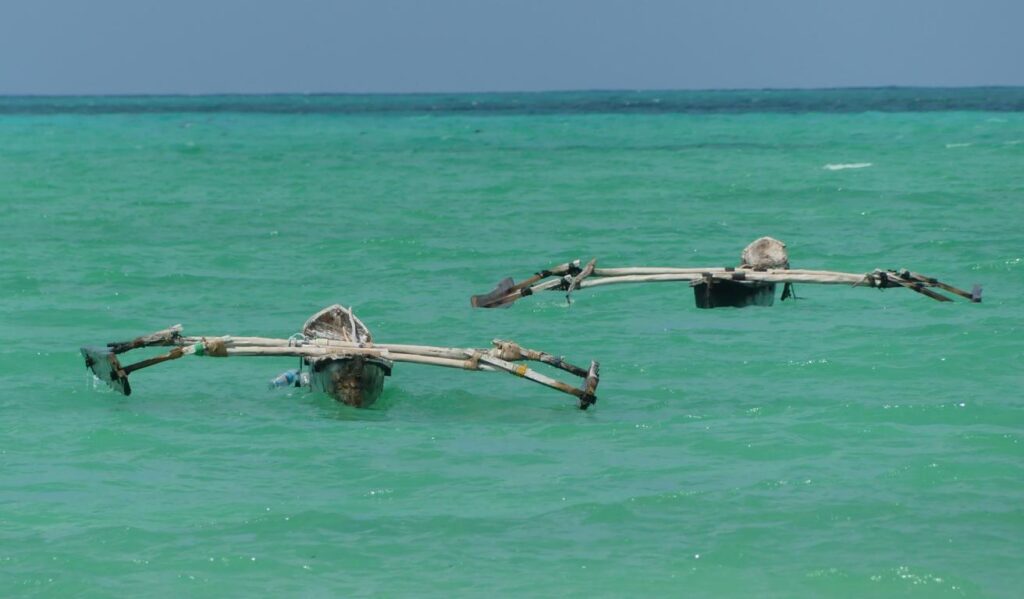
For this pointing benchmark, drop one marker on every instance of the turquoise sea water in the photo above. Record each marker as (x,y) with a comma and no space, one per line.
(854,443)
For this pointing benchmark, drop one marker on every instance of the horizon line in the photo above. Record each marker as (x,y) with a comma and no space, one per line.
(493,92)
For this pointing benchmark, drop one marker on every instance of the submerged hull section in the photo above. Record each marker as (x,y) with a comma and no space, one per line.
(356,381)
(731,294)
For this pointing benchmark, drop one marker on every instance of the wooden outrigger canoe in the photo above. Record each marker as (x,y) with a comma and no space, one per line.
(764,264)
(358,380)
(340,358)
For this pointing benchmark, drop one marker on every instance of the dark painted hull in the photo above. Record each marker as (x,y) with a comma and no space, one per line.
(732,294)
(354,381)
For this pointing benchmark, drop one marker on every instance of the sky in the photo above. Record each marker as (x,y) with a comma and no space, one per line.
(324,46)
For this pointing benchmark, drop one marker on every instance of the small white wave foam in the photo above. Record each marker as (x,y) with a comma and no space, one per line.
(840,167)
(962,145)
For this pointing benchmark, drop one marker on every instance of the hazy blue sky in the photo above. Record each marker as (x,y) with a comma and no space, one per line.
(206,46)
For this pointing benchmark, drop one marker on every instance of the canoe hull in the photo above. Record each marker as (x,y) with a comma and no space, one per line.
(356,381)
(732,294)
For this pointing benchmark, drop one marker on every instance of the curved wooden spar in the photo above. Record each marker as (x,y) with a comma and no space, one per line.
(104,363)
(507,286)
(507,293)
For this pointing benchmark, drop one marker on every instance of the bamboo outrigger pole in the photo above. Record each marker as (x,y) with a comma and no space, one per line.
(743,283)
(104,362)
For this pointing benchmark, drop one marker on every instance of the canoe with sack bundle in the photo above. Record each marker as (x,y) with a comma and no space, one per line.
(763,264)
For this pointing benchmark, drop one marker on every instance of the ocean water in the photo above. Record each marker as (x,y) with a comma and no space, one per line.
(856,442)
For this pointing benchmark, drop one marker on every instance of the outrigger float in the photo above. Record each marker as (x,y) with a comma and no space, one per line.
(339,357)
(763,264)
